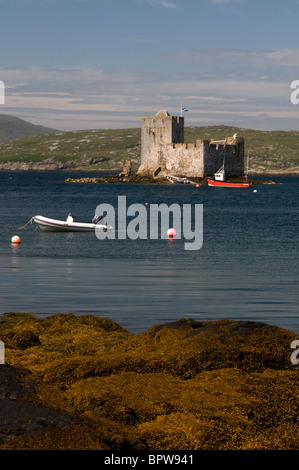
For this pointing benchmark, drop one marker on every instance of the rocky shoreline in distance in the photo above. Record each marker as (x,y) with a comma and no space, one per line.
(145,179)
(119,176)
(50,164)
(86,383)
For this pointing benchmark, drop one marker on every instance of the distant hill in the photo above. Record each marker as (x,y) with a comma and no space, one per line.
(91,149)
(268,151)
(12,128)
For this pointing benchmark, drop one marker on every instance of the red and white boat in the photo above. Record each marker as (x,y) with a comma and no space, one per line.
(220,182)
(227,184)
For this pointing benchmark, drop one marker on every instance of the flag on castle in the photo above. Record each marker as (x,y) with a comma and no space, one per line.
(183,109)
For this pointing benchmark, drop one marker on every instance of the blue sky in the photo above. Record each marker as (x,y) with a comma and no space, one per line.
(87,64)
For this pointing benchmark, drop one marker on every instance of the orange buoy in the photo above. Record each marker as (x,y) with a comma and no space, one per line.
(15,239)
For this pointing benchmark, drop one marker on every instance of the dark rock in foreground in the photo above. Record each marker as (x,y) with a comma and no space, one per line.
(18,416)
(87,383)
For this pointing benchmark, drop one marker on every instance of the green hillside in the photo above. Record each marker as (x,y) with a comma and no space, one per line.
(92,149)
(12,128)
(268,151)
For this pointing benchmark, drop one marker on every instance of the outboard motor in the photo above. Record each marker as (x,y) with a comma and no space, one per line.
(97,218)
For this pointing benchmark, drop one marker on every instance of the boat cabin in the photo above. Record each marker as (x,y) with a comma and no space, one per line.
(220,175)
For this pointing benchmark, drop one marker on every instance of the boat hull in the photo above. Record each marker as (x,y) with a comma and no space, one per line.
(53,225)
(227,184)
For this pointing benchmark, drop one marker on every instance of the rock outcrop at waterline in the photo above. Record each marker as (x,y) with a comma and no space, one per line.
(146,179)
(87,383)
(119,178)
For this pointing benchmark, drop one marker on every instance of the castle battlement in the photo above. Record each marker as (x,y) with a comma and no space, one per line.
(234,140)
(162,145)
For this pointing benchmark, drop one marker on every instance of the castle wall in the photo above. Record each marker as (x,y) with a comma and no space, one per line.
(162,145)
(184,159)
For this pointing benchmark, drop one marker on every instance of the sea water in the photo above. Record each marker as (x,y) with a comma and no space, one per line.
(246,269)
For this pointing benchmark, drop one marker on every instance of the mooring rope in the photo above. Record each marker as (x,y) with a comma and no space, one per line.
(24,226)
(200,184)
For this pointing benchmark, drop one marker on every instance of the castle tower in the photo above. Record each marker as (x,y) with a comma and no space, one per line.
(156,132)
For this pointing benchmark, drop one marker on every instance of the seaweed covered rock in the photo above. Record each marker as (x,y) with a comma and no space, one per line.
(17,415)
(184,385)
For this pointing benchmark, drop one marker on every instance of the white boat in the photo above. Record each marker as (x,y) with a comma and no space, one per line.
(68,225)
(177,179)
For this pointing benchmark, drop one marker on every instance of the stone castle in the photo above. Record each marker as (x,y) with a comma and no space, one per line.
(163,150)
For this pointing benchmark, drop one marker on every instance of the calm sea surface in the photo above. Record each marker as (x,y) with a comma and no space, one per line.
(247,268)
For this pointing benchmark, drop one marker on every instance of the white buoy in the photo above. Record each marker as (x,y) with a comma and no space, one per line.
(16,239)
(171,232)
(255,190)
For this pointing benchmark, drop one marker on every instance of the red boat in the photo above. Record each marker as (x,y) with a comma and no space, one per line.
(227,184)
(220,181)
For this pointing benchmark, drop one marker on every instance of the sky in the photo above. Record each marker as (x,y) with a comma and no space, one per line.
(103,64)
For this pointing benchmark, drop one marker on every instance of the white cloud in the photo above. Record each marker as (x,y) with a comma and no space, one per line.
(271,63)
(167,4)
(160,3)
(77,98)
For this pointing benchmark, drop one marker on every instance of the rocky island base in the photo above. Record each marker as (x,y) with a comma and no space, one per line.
(86,383)
(146,179)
